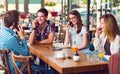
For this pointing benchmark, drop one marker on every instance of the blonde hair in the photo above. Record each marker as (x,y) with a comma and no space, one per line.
(111,27)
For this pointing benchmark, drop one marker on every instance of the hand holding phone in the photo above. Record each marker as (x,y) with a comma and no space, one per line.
(20,32)
(16,24)
(99,29)
(68,25)
(35,23)
(16,27)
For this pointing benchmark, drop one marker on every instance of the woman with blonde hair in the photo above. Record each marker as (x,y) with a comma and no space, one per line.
(107,35)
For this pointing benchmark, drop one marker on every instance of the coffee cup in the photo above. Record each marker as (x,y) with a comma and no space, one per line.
(59,54)
(76,57)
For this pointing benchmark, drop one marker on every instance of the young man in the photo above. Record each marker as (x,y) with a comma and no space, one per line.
(16,42)
(9,39)
(42,31)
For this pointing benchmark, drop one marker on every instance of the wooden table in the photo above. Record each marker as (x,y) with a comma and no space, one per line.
(65,66)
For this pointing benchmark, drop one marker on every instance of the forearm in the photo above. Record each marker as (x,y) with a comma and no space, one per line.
(32,37)
(67,38)
(97,43)
(98,40)
(84,43)
(49,39)
(46,41)
(83,46)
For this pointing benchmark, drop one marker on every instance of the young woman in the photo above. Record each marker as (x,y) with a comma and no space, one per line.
(108,35)
(76,33)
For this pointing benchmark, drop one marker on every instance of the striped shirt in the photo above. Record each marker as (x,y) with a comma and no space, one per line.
(9,40)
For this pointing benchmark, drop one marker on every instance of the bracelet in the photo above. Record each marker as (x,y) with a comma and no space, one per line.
(34,28)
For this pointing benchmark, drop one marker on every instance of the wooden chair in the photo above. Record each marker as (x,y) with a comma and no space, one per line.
(24,59)
(4,60)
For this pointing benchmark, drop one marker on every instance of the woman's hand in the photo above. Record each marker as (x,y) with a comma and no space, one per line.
(20,32)
(68,25)
(98,31)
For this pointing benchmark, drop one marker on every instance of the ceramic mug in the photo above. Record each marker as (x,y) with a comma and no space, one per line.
(76,57)
(59,54)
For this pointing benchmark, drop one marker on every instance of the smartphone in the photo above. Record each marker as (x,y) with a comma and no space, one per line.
(70,23)
(100,29)
(16,26)
(36,22)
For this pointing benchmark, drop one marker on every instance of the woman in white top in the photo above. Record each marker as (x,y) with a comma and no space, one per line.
(76,33)
(108,35)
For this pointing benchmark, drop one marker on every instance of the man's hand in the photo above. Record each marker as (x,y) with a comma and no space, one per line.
(20,32)
(35,23)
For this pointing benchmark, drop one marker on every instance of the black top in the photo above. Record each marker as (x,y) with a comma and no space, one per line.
(107,47)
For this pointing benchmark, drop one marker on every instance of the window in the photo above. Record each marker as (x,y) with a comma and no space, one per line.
(11,5)
(34,6)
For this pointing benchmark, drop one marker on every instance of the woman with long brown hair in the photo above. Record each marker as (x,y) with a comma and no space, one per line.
(108,35)
(76,33)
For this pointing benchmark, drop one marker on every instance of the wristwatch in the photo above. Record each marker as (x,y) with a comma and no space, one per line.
(34,28)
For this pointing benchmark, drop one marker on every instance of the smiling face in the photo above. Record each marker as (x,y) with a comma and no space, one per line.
(73,19)
(41,18)
(109,26)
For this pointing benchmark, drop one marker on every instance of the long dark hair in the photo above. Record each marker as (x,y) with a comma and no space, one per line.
(79,21)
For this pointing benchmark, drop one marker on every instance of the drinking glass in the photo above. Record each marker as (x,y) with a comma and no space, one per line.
(95,55)
(67,53)
(90,58)
(101,53)
(74,48)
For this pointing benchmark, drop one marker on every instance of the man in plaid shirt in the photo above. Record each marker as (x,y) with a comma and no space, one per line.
(42,31)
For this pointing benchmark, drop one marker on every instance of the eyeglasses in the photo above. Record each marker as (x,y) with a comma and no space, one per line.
(72,18)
